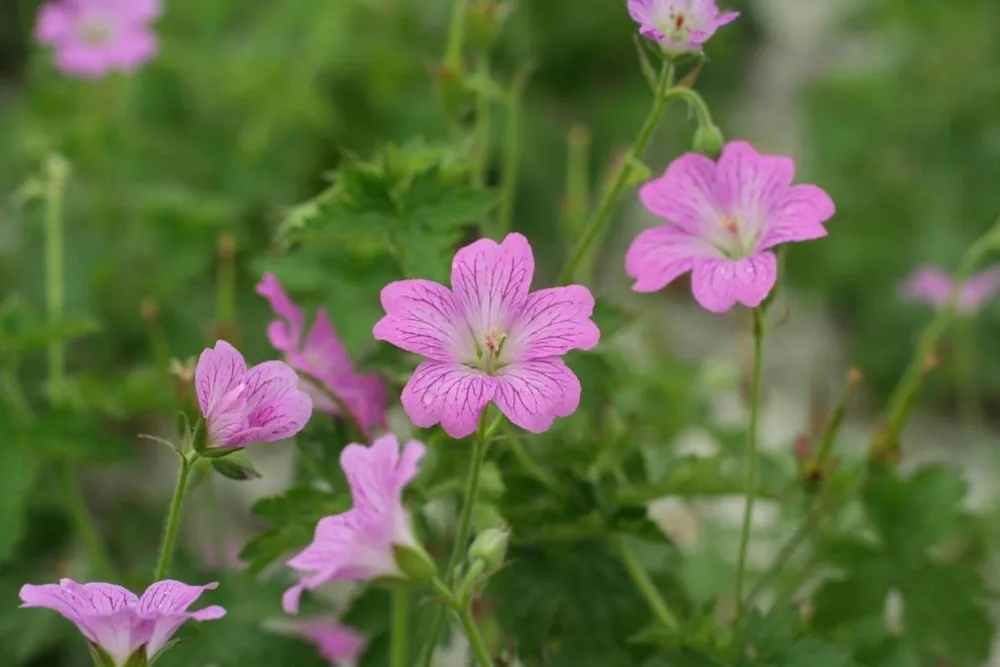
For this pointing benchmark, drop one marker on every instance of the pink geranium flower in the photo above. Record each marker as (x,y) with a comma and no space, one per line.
(358,544)
(933,286)
(115,620)
(341,645)
(321,354)
(679,26)
(723,221)
(241,407)
(489,339)
(94,37)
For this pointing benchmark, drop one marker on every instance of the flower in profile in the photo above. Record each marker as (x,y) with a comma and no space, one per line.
(933,286)
(321,354)
(489,339)
(359,544)
(679,26)
(723,220)
(341,645)
(117,622)
(240,406)
(94,37)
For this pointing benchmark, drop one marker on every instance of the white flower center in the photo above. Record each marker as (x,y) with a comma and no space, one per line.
(490,356)
(735,238)
(675,24)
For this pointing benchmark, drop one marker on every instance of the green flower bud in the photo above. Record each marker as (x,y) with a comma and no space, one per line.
(414,563)
(708,140)
(490,546)
(236,466)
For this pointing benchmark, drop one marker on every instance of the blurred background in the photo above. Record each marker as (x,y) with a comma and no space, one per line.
(183,172)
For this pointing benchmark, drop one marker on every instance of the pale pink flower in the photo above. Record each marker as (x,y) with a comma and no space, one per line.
(114,619)
(321,354)
(358,544)
(723,221)
(933,286)
(339,644)
(241,406)
(679,26)
(94,37)
(489,339)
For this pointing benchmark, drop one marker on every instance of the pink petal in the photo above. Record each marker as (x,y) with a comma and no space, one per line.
(165,626)
(422,317)
(285,333)
(979,289)
(929,284)
(553,322)
(330,543)
(447,393)
(220,371)
(532,393)
(725,19)
(139,11)
(798,216)
(119,633)
(275,405)
(170,597)
(658,256)
(749,184)
(76,58)
(642,11)
(684,195)
(719,284)
(491,281)
(335,642)
(54,24)
(133,49)
(323,349)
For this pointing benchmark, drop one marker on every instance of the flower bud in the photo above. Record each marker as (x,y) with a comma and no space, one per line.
(414,563)
(236,466)
(708,140)
(490,546)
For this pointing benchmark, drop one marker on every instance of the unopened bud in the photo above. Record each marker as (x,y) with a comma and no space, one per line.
(149,309)
(236,465)
(854,378)
(490,546)
(414,563)
(708,140)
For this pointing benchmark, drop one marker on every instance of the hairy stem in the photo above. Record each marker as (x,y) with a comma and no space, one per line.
(400,632)
(173,520)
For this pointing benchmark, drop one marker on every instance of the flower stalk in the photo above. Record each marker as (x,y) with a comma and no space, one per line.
(399,631)
(645,585)
(174,517)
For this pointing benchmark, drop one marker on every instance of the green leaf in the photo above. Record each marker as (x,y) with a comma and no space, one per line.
(18,471)
(700,476)
(294,516)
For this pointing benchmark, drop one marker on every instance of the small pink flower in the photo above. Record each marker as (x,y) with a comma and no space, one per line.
(933,286)
(489,339)
(241,407)
(114,619)
(680,26)
(95,37)
(358,544)
(341,645)
(723,220)
(321,354)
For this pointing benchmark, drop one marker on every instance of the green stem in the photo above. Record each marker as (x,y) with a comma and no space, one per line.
(464,529)
(456,35)
(173,519)
(833,426)
(512,150)
(903,396)
(474,636)
(601,219)
(645,585)
(400,636)
(577,178)
(967,389)
(84,525)
(483,124)
(54,251)
(750,486)
(784,555)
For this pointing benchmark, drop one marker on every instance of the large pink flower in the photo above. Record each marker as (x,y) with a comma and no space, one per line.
(94,37)
(241,406)
(321,354)
(489,339)
(358,544)
(339,644)
(679,26)
(114,619)
(933,286)
(724,219)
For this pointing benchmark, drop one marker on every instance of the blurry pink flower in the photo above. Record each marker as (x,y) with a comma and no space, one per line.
(114,619)
(94,37)
(339,644)
(322,355)
(241,407)
(358,544)
(488,338)
(933,286)
(679,26)
(723,220)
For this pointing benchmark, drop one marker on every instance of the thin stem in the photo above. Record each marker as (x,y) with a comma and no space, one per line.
(456,35)
(601,218)
(483,124)
(173,520)
(645,585)
(784,555)
(54,251)
(512,150)
(464,529)
(577,178)
(836,419)
(475,637)
(400,632)
(84,525)
(967,388)
(903,396)
(750,486)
